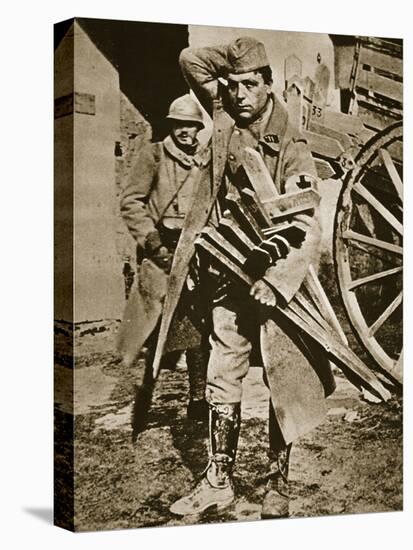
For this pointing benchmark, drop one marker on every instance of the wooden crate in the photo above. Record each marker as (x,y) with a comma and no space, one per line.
(377,82)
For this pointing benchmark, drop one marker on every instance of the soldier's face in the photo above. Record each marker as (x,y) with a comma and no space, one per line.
(184,132)
(247,94)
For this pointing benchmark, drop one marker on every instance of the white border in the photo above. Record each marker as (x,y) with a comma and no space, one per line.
(26,253)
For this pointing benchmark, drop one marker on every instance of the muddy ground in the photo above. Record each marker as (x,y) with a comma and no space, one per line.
(350,464)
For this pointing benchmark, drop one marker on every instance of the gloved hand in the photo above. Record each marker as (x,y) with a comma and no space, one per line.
(162,258)
(156,252)
(152,242)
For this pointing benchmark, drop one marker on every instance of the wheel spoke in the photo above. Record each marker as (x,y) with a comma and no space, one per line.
(385,315)
(374,277)
(392,171)
(369,247)
(390,247)
(377,205)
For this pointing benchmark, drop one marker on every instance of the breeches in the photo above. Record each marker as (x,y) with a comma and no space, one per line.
(235,327)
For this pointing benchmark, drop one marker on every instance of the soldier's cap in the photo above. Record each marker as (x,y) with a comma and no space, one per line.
(246,54)
(187,109)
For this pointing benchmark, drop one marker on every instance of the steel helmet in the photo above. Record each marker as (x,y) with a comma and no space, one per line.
(185,108)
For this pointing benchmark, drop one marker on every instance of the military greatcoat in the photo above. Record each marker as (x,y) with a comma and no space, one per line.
(300,382)
(156,198)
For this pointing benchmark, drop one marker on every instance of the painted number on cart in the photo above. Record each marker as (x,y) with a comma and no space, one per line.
(317,111)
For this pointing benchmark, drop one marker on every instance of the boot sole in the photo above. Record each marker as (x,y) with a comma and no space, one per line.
(218,506)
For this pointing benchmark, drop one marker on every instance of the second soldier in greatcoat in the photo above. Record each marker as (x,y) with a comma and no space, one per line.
(154,204)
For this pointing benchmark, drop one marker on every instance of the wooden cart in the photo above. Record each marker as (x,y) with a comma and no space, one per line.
(363,147)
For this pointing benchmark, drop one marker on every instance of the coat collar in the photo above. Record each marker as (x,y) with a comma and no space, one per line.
(275,128)
(200,158)
(259,125)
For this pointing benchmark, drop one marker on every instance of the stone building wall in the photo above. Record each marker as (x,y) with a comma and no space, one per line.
(104,87)
(134,131)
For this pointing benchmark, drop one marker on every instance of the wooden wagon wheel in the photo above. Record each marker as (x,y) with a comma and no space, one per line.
(368,248)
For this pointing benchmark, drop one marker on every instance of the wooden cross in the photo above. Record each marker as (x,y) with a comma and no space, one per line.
(239,237)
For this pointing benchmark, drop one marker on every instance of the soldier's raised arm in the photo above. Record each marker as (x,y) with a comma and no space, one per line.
(201,68)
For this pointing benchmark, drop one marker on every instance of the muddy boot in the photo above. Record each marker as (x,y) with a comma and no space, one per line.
(198,409)
(215,487)
(276,499)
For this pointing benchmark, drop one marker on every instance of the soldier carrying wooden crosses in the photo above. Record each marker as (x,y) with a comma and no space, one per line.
(250,116)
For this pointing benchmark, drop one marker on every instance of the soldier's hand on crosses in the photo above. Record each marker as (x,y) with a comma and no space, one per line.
(263,293)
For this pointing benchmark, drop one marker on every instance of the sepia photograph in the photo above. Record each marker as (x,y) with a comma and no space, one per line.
(228,274)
